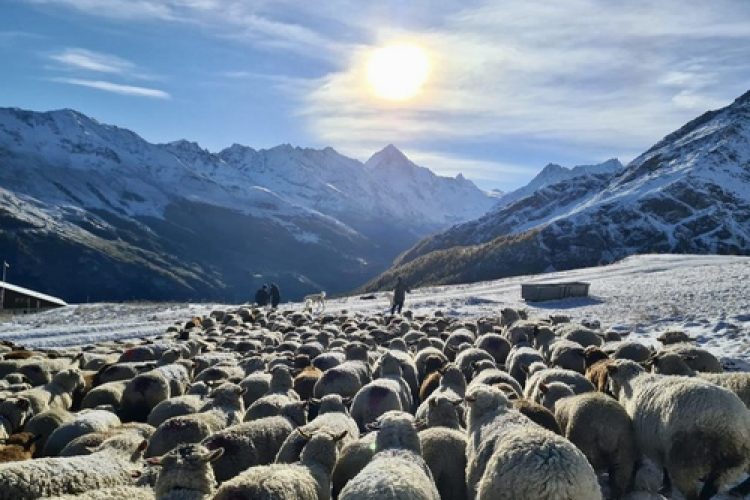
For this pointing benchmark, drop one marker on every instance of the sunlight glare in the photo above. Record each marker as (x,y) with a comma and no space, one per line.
(397,72)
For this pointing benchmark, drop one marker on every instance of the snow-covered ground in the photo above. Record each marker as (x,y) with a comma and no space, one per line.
(707,296)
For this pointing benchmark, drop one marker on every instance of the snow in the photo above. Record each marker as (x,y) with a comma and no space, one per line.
(706,296)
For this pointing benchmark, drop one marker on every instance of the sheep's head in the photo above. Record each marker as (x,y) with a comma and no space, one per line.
(356,351)
(551,393)
(593,354)
(396,430)
(483,400)
(453,377)
(130,445)
(296,412)
(70,379)
(331,403)
(321,448)
(390,365)
(186,467)
(620,374)
(443,411)
(670,363)
(228,394)
(15,412)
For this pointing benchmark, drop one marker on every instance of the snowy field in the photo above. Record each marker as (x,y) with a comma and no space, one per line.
(706,296)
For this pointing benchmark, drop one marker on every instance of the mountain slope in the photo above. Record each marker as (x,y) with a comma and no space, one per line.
(689,193)
(131,219)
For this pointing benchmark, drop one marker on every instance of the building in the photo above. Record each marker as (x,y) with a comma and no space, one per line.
(539,292)
(19,300)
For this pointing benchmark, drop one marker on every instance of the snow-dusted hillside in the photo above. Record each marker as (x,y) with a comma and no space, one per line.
(554,174)
(690,193)
(133,219)
(704,295)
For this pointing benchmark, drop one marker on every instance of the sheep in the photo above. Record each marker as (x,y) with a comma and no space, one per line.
(673,337)
(332,417)
(673,364)
(601,428)
(348,377)
(14,413)
(444,448)
(428,360)
(580,334)
(390,392)
(698,359)
(693,428)
(398,349)
(504,448)
(174,407)
(109,393)
(575,380)
(534,411)
(83,445)
(496,376)
(255,386)
(186,473)
(305,380)
(634,351)
(519,360)
(353,458)
(568,355)
(466,360)
(224,409)
(397,470)
(85,422)
(496,345)
(18,447)
(309,479)
(56,394)
(279,393)
(146,390)
(254,443)
(110,465)
(45,423)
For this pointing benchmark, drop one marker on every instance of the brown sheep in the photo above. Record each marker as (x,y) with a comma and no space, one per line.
(304,382)
(593,354)
(18,447)
(598,375)
(430,383)
(20,354)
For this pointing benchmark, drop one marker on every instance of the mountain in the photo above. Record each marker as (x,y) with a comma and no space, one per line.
(689,193)
(89,210)
(554,174)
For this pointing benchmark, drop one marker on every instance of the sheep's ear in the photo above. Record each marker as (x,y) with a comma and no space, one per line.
(612,369)
(242,391)
(543,388)
(23,404)
(214,455)
(142,447)
(470,399)
(456,402)
(690,357)
(340,436)
(372,426)
(433,402)
(525,369)
(315,401)
(348,401)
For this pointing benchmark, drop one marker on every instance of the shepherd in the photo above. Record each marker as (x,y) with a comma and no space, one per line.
(399,295)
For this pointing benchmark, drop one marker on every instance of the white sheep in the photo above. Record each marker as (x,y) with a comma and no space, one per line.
(332,418)
(224,409)
(444,451)
(174,407)
(109,393)
(254,443)
(348,377)
(695,429)
(144,391)
(389,392)
(309,479)
(110,465)
(397,471)
(510,457)
(85,422)
(452,385)
(56,394)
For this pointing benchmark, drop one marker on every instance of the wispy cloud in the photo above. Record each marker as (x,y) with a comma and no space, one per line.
(116,88)
(77,58)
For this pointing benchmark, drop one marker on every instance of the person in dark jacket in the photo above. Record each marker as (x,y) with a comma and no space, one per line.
(261,296)
(399,295)
(275,295)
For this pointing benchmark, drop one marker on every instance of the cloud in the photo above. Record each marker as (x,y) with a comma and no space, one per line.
(83,59)
(116,88)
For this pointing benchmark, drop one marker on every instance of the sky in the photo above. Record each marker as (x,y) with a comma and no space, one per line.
(511,85)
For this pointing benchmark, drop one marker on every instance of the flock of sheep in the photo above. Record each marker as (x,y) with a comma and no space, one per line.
(255,404)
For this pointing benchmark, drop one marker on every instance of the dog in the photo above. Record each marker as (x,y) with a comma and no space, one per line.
(315,299)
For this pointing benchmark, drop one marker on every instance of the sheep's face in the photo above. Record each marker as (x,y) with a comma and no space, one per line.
(186,467)
(443,410)
(396,430)
(71,379)
(553,392)
(296,412)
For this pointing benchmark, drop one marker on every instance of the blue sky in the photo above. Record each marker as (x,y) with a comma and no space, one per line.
(513,85)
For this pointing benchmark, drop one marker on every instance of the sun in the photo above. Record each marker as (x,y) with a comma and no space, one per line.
(398,72)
